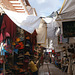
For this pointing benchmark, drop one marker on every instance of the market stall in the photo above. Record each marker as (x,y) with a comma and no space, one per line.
(16,41)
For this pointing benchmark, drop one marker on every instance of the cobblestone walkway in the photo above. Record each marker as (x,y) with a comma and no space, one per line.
(43,70)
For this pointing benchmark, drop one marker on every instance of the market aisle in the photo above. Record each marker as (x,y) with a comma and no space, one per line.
(43,70)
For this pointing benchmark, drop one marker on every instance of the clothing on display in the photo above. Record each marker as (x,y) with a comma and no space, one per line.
(8,28)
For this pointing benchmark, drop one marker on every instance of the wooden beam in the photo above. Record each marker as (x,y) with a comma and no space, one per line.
(25,7)
(15,3)
(12,0)
(21,11)
(17,6)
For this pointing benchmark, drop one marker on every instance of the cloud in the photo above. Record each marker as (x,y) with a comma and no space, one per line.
(40,1)
(46,7)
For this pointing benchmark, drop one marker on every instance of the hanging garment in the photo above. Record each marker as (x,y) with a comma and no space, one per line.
(3,51)
(16,51)
(1,19)
(1,28)
(8,28)
(34,40)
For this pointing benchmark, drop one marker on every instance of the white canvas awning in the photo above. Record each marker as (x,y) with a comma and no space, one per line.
(67,11)
(20,18)
(26,22)
(69,5)
(47,20)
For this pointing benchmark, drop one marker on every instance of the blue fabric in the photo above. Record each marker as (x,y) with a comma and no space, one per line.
(21,39)
(1,68)
(3,51)
(8,41)
(56,63)
(16,51)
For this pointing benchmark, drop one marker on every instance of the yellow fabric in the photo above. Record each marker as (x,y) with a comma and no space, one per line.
(33,66)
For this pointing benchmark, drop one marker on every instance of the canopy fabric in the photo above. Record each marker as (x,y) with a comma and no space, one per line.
(47,20)
(23,20)
(68,15)
(51,28)
(72,40)
(68,6)
(26,22)
(41,32)
(58,49)
(45,44)
(68,10)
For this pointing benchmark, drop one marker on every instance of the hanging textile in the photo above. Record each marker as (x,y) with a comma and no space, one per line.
(8,28)
(51,27)
(41,32)
(23,20)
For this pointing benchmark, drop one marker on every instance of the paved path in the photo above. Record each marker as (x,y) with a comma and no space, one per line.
(43,70)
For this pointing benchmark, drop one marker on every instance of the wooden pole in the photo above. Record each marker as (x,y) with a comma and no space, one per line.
(4,65)
(70,64)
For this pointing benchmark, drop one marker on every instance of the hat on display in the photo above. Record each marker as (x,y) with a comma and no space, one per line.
(18,39)
(21,70)
(13,43)
(19,63)
(17,46)
(26,59)
(22,45)
(27,45)
(28,37)
(21,39)
(29,42)
(27,53)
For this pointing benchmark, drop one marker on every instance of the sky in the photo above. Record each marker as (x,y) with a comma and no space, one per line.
(46,7)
